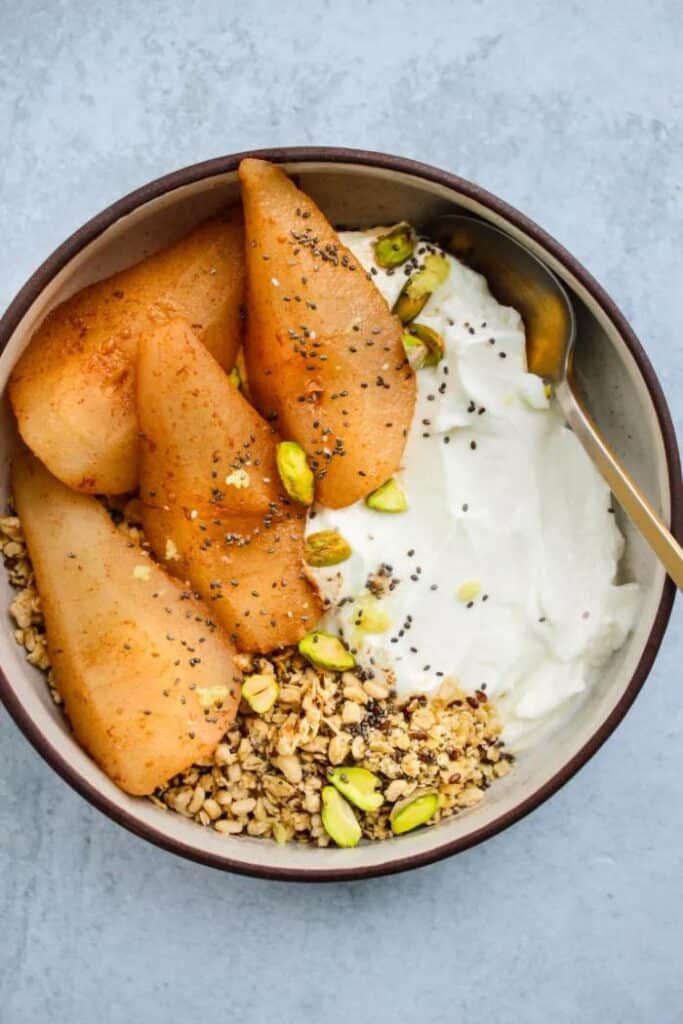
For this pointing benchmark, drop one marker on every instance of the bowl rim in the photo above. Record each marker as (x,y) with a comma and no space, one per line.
(330,154)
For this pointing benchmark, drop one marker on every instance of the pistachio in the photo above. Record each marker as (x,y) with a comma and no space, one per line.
(387,498)
(416,352)
(369,616)
(282,833)
(326,651)
(468,590)
(327,547)
(295,473)
(260,692)
(394,248)
(338,818)
(414,811)
(423,346)
(416,291)
(234,377)
(358,785)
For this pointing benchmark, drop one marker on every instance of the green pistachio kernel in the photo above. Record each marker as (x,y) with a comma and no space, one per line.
(295,473)
(414,811)
(326,651)
(419,286)
(339,821)
(416,352)
(234,378)
(358,785)
(327,547)
(369,616)
(260,692)
(387,498)
(394,248)
(430,342)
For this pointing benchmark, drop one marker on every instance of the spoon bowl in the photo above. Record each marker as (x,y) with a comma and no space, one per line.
(516,277)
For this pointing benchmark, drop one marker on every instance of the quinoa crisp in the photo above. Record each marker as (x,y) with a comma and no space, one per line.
(266,776)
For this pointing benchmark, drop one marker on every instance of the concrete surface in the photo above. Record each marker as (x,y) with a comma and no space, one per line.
(571,111)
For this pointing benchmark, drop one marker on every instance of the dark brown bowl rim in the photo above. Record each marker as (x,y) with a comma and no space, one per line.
(307,154)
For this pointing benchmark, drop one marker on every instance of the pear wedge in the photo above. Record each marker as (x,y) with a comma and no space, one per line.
(323,351)
(73,389)
(147,678)
(214,509)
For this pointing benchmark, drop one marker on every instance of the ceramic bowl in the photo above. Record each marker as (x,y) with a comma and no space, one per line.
(360,189)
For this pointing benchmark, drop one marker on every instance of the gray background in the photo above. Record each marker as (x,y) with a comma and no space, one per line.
(572,112)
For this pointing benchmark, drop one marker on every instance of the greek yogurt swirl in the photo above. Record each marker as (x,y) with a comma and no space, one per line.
(501,572)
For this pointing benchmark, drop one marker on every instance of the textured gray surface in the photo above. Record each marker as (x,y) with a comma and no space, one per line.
(574,113)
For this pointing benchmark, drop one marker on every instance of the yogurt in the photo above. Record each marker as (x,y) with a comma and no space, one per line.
(501,572)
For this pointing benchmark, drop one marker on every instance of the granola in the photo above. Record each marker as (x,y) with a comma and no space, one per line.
(266,776)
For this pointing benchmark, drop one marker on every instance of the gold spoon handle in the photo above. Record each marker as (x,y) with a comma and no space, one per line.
(638,509)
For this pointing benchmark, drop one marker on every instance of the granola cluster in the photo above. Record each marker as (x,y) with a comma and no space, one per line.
(265,778)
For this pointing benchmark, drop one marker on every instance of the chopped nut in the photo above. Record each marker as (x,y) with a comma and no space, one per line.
(395,247)
(295,473)
(370,616)
(198,798)
(290,766)
(358,785)
(325,548)
(339,748)
(387,498)
(352,713)
(378,691)
(358,748)
(413,811)
(260,692)
(469,590)
(423,346)
(239,478)
(338,819)
(228,827)
(245,806)
(327,651)
(419,286)
(395,789)
(353,690)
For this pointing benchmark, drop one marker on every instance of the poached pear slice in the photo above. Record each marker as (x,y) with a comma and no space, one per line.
(131,652)
(323,351)
(73,389)
(214,509)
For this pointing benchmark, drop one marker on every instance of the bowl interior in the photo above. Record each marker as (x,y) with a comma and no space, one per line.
(355,195)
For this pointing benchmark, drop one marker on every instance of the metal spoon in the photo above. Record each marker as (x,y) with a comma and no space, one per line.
(518,278)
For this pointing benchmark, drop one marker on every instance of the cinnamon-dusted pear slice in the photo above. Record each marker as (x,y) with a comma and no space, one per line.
(73,389)
(213,506)
(133,654)
(323,352)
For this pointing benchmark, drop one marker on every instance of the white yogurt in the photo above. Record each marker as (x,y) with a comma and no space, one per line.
(507,554)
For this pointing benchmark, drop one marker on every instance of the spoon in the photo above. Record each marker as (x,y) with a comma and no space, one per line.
(518,278)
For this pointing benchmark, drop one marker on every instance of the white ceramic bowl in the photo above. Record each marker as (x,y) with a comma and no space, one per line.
(359,189)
